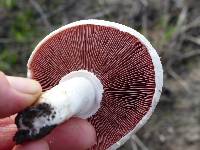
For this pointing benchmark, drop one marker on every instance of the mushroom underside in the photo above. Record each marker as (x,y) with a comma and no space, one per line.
(120,61)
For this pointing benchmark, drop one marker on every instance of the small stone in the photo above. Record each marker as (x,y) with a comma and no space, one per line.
(162,138)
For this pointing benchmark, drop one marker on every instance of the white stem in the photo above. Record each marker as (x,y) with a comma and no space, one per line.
(70,97)
(78,94)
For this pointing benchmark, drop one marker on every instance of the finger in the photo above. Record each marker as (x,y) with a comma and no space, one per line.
(76,134)
(7,131)
(16,94)
(36,145)
(24,85)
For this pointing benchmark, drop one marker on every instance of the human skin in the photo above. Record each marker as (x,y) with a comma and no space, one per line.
(18,93)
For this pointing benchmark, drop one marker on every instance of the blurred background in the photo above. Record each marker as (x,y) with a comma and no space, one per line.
(172,26)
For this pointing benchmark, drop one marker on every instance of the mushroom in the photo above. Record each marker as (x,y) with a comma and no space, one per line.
(98,70)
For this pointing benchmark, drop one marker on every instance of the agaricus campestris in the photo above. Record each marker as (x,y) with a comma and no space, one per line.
(97,70)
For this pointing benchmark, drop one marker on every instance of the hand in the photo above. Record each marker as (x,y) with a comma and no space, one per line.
(18,93)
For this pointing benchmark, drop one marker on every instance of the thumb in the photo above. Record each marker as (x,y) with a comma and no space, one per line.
(16,94)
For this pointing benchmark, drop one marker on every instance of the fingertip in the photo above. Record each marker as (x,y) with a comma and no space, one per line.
(76,133)
(1,73)
(7,131)
(36,145)
(25,85)
(90,133)
(16,94)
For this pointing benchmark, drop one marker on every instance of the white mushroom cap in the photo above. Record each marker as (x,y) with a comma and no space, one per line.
(122,59)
